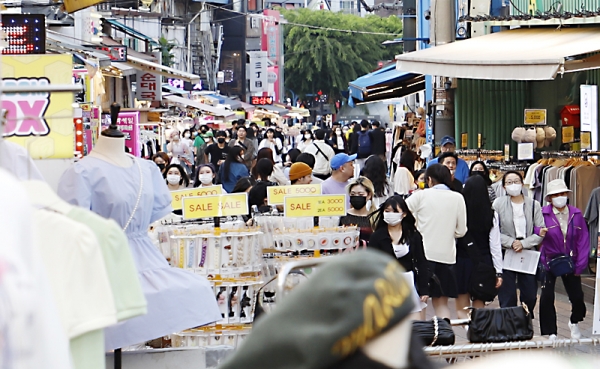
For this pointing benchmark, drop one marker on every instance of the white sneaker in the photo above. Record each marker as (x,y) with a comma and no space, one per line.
(552,337)
(575,332)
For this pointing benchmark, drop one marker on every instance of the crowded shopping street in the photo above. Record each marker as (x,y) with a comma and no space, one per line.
(317,184)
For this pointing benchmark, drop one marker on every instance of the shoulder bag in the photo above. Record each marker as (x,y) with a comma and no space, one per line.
(500,325)
(434,332)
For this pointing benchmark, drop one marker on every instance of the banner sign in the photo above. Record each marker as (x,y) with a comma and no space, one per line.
(42,122)
(276,194)
(177,196)
(25,34)
(148,86)
(535,116)
(215,206)
(319,205)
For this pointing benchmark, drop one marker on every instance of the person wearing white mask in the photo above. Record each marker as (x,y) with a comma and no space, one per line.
(519,217)
(179,152)
(307,140)
(337,140)
(176,177)
(396,235)
(206,176)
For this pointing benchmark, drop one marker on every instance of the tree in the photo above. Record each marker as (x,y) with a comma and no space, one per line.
(165,49)
(323,59)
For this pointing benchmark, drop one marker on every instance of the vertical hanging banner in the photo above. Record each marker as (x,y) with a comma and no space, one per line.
(257,71)
(148,86)
(40,121)
(271,43)
(128,123)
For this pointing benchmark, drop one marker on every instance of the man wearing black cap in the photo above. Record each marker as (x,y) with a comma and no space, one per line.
(448,144)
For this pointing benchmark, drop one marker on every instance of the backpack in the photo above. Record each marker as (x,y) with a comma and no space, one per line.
(364,143)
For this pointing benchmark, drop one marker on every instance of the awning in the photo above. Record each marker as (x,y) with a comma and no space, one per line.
(61,43)
(274,108)
(519,54)
(168,72)
(225,100)
(385,83)
(203,107)
(130,31)
(174,90)
(247,107)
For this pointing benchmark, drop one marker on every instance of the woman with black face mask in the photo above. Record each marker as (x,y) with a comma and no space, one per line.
(361,192)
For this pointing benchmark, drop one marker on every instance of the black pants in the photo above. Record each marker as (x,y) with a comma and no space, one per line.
(322,176)
(548,311)
(507,295)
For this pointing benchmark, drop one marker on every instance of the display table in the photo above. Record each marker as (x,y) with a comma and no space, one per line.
(192,358)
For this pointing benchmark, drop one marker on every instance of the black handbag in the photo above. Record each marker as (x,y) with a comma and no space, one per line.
(482,285)
(434,332)
(561,265)
(500,325)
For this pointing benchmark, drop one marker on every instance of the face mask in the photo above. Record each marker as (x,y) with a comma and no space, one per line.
(559,202)
(205,178)
(307,137)
(195,134)
(452,171)
(175,138)
(221,140)
(514,189)
(358,202)
(345,131)
(187,135)
(337,131)
(478,173)
(161,166)
(421,185)
(173,179)
(392,218)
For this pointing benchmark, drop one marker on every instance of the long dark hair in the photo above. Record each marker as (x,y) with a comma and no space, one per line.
(375,170)
(397,203)
(243,184)
(293,153)
(184,177)
(480,216)
(263,169)
(197,179)
(264,153)
(407,160)
(440,175)
(232,157)
(486,172)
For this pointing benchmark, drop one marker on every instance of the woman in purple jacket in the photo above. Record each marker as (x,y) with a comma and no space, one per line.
(566,234)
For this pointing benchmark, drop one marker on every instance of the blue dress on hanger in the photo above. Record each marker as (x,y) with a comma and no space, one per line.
(177,299)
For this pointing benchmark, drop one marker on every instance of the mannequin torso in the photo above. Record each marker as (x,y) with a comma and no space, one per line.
(112,150)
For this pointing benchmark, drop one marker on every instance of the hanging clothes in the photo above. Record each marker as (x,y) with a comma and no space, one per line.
(16,160)
(177,299)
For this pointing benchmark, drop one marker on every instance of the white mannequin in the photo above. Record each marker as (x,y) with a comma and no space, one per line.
(42,195)
(112,150)
(392,347)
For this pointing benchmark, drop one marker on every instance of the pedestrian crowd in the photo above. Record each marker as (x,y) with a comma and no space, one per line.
(445,222)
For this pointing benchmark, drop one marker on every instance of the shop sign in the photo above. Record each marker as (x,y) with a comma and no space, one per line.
(215,206)
(589,113)
(115,53)
(148,86)
(568,134)
(535,116)
(319,205)
(40,121)
(277,194)
(24,34)
(257,71)
(261,100)
(128,123)
(177,196)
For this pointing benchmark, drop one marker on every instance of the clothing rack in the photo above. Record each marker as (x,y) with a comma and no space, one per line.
(506,167)
(569,154)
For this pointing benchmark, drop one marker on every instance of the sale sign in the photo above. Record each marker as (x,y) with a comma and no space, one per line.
(276,194)
(313,206)
(215,206)
(42,122)
(177,196)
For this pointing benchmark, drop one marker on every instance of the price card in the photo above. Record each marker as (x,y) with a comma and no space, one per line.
(568,134)
(276,194)
(586,140)
(318,205)
(215,206)
(177,196)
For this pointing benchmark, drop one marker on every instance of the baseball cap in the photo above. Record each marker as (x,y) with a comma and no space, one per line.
(340,159)
(208,134)
(299,170)
(330,316)
(448,140)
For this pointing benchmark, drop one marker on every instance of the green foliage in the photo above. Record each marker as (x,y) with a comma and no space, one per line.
(165,49)
(319,59)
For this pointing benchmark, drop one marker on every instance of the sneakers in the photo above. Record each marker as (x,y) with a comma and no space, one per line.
(575,332)
(552,337)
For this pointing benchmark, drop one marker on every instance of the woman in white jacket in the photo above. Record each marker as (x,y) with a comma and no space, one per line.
(273,143)
(441,218)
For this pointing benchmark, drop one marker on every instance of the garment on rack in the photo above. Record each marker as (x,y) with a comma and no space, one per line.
(16,160)
(592,217)
(177,299)
(32,334)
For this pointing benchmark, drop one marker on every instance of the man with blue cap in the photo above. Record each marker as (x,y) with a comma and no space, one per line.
(448,144)
(342,166)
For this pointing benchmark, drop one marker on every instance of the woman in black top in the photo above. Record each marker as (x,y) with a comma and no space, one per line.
(396,235)
(360,191)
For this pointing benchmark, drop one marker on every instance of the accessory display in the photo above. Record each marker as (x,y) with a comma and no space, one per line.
(392,218)
(500,325)
(434,332)
(358,202)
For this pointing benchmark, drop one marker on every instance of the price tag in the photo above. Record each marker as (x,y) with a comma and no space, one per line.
(535,116)
(215,206)
(586,140)
(276,194)
(568,134)
(177,196)
(312,206)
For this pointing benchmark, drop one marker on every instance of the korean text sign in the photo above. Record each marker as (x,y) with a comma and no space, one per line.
(40,121)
